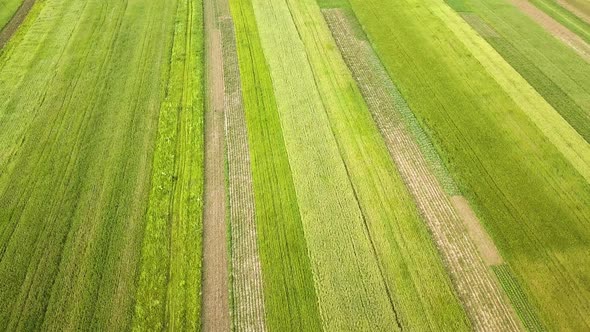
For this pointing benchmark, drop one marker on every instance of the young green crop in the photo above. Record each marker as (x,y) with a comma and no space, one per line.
(80,92)
(289,293)
(169,286)
(560,75)
(530,198)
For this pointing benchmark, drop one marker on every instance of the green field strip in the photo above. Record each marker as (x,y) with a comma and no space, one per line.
(7,10)
(565,17)
(560,75)
(83,153)
(346,272)
(478,290)
(289,293)
(388,210)
(529,197)
(574,148)
(168,293)
(519,300)
(302,133)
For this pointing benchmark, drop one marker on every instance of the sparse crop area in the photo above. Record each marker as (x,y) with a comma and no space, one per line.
(294,165)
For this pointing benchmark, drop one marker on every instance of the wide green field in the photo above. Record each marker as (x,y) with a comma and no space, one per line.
(294,165)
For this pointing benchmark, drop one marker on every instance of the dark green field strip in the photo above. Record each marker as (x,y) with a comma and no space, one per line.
(80,97)
(560,75)
(290,298)
(170,274)
(531,200)
(519,300)
(565,17)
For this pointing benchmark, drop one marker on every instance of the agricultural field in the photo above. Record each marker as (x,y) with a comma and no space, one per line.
(294,165)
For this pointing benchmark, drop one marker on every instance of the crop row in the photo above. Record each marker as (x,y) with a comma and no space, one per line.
(481,295)
(80,96)
(347,186)
(169,277)
(530,198)
(560,75)
(522,306)
(289,295)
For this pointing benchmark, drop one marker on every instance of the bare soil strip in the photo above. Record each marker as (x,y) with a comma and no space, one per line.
(574,10)
(554,28)
(478,234)
(16,20)
(248,297)
(479,291)
(215,287)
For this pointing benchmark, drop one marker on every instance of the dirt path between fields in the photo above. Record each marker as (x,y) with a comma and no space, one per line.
(215,288)
(12,26)
(574,10)
(554,28)
(478,234)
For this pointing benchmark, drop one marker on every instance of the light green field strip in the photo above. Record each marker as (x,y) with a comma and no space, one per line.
(560,75)
(79,96)
(7,9)
(481,294)
(289,294)
(315,93)
(168,293)
(532,201)
(574,148)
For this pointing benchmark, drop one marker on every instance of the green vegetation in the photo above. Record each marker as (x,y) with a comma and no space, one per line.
(560,75)
(531,199)
(7,10)
(326,151)
(565,17)
(290,298)
(170,275)
(80,96)
(521,304)
(346,213)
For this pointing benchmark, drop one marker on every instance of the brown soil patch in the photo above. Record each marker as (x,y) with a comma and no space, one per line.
(215,288)
(554,28)
(478,234)
(574,10)
(16,20)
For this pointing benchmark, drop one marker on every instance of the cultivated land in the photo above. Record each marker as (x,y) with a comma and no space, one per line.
(294,165)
